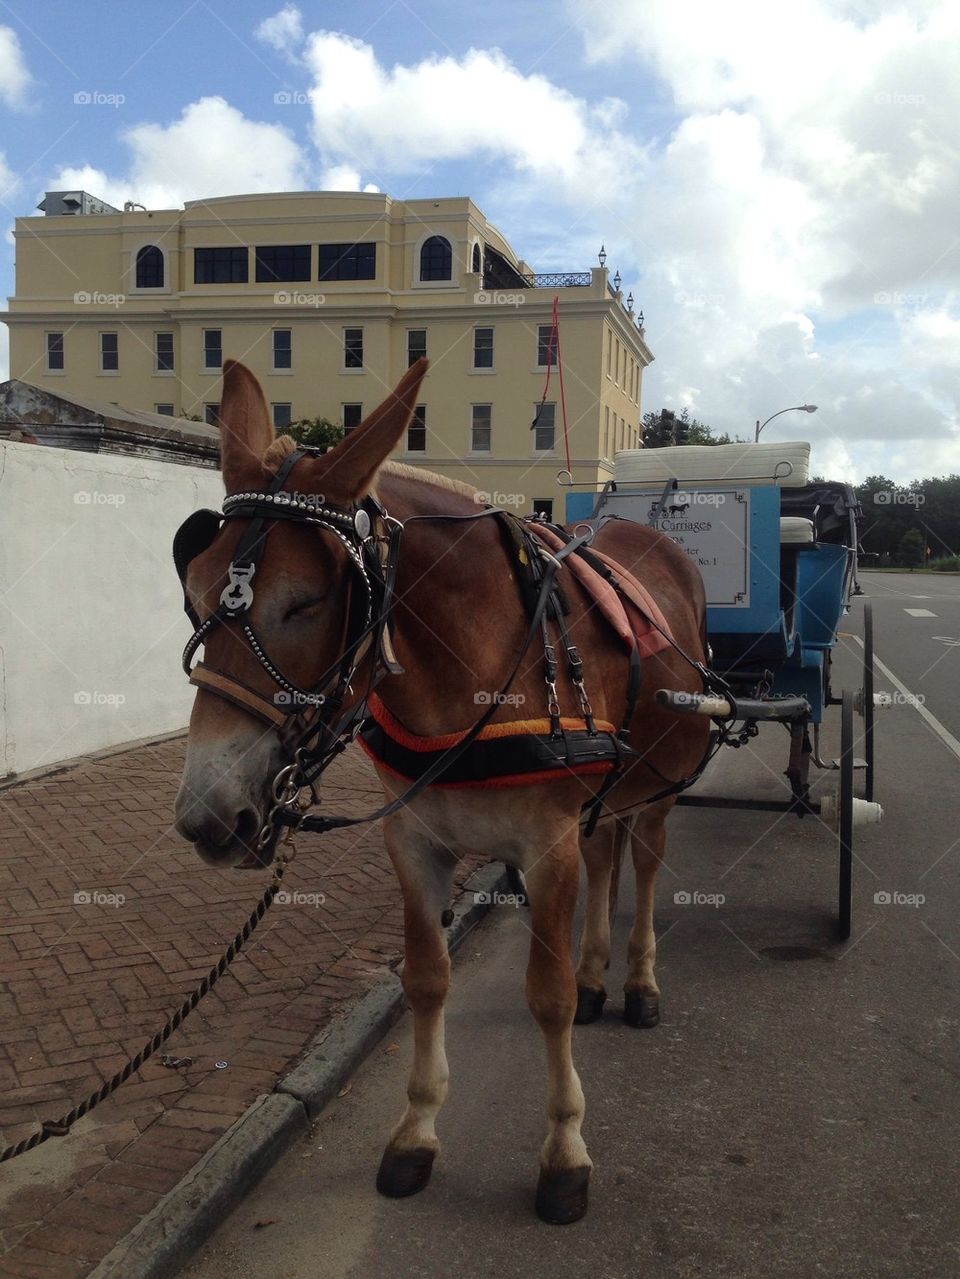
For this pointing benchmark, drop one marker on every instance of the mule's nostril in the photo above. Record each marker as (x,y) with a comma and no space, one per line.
(248,826)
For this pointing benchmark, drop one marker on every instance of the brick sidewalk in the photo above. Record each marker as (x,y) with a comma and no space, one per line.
(83,985)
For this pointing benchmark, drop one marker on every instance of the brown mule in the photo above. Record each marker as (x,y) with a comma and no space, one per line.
(459,624)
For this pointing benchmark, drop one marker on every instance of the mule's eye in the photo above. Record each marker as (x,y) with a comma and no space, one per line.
(307,608)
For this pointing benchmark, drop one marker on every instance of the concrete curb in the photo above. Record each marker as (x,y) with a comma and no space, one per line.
(163,1242)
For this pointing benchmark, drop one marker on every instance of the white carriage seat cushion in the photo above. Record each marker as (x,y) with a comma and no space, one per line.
(795,530)
(785,464)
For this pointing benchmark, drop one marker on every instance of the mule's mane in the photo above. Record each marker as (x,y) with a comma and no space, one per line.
(283,446)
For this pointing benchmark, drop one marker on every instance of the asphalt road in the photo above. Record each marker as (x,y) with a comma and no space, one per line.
(796,1113)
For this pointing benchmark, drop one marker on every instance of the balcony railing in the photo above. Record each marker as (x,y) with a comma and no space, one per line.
(558,280)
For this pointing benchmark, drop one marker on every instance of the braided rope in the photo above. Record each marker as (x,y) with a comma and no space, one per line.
(60,1127)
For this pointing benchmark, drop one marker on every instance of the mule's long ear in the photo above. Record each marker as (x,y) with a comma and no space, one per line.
(350,468)
(245,428)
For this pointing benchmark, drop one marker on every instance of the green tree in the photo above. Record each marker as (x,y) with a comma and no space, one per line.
(911,548)
(316,432)
(667,427)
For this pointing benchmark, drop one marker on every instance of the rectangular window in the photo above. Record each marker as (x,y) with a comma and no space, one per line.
(352,416)
(212,348)
(483,348)
(348,261)
(417,431)
(281,415)
(416,345)
(543,506)
(165,410)
(609,350)
(211,414)
(221,266)
(54,351)
(546,347)
(281,263)
(606,431)
(282,348)
(109,353)
(544,433)
(481,428)
(353,348)
(164,352)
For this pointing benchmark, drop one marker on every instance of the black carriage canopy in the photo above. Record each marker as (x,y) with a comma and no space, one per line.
(829,505)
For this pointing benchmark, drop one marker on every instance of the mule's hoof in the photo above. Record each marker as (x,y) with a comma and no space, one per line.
(404,1172)
(562,1195)
(641,1009)
(589,1005)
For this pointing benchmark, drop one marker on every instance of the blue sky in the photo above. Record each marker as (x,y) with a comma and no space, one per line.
(777,187)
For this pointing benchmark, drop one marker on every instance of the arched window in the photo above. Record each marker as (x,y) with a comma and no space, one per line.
(436,259)
(477,266)
(149,267)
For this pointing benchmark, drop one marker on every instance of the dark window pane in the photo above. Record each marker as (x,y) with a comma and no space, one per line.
(212,348)
(436,259)
(543,506)
(546,346)
(353,348)
(109,352)
(165,410)
(282,348)
(352,416)
(545,430)
(481,428)
(54,350)
(348,261)
(164,343)
(416,345)
(477,264)
(210,414)
(281,415)
(149,267)
(417,431)
(483,348)
(282,262)
(221,266)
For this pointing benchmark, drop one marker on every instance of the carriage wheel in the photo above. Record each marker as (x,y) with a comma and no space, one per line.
(868,706)
(845,817)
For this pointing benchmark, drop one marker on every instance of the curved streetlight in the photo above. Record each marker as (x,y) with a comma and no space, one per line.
(795,408)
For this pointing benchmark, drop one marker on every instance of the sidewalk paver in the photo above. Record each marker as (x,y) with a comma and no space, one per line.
(110,921)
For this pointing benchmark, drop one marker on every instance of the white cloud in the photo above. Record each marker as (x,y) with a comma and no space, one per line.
(213,149)
(9,181)
(343,177)
(15,79)
(283,31)
(411,118)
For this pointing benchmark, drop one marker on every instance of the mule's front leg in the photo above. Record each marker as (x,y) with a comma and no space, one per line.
(552,995)
(425,879)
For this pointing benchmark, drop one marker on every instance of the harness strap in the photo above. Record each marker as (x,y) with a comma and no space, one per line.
(232,690)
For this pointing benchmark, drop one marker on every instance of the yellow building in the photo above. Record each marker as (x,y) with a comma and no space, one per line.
(328,297)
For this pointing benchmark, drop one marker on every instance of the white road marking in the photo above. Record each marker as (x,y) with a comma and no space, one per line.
(944,734)
(919,612)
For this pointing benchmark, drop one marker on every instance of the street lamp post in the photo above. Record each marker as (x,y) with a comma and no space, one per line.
(794,408)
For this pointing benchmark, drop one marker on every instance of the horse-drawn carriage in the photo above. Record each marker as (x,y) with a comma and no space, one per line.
(778,555)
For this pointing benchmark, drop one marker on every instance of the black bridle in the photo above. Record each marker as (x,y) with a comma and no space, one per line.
(311,722)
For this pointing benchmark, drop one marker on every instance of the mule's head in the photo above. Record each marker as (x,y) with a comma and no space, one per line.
(300,610)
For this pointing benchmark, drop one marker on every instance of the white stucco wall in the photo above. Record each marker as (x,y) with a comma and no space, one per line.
(91,616)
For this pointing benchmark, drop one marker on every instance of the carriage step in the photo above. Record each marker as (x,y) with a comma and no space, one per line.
(857,763)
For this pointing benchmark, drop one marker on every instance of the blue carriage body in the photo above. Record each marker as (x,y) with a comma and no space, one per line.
(784,619)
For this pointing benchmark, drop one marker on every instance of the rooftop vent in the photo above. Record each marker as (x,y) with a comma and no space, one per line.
(70,203)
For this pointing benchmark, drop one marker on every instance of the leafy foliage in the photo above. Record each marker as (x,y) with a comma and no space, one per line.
(930,508)
(315,432)
(666,427)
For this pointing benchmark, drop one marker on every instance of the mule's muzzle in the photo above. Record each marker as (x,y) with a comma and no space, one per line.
(221,838)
